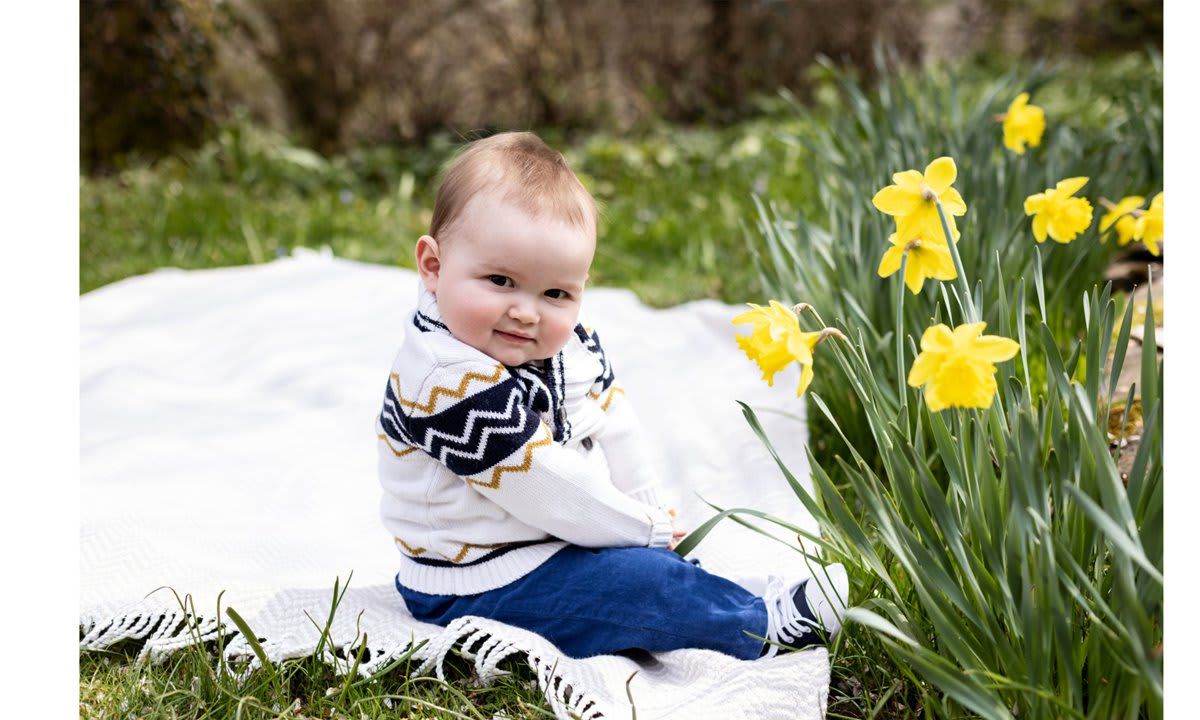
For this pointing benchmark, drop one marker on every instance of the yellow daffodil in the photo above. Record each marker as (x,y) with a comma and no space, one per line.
(911,201)
(1057,213)
(1149,227)
(777,340)
(1120,216)
(1023,123)
(925,260)
(958,367)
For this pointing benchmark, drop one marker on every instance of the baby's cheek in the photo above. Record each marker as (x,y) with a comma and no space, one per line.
(482,315)
(560,333)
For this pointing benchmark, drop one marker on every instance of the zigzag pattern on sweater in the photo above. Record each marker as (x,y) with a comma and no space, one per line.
(486,425)
(472,435)
(546,387)
(591,342)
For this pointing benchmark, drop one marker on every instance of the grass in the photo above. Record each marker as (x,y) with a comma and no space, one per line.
(111,685)
(673,204)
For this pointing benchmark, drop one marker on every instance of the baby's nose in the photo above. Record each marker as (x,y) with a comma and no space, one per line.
(523,312)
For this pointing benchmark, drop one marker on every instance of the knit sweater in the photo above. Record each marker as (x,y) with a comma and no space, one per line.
(488,470)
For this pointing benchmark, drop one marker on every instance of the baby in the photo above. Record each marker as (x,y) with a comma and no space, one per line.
(516,481)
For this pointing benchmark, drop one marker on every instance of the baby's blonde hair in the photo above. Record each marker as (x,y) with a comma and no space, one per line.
(532,176)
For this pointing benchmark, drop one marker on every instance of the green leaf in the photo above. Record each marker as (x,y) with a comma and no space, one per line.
(1149,352)
(252,640)
(797,487)
(692,539)
(957,685)
(1122,542)
(1039,283)
(1119,351)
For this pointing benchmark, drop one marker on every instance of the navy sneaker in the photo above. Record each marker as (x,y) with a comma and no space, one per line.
(807,612)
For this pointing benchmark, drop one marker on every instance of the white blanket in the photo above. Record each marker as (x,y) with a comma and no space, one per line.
(227,445)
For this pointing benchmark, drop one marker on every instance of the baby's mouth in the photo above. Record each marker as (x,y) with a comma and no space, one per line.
(514,337)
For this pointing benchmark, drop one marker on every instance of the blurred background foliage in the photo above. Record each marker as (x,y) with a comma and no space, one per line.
(219,132)
(163,74)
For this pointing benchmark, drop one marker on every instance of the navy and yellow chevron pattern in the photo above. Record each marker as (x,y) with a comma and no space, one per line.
(473,421)
(591,340)
(470,436)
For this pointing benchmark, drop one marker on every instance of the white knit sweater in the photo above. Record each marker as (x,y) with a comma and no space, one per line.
(488,470)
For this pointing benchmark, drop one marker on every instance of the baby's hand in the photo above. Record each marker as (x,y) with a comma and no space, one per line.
(676,536)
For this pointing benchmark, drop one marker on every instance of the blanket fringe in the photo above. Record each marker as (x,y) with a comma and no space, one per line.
(564,696)
(166,630)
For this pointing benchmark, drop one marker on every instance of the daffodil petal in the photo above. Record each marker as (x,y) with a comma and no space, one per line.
(910,227)
(914,277)
(937,338)
(923,368)
(933,398)
(1070,186)
(1126,230)
(994,348)
(968,331)
(891,261)
(1013,141)
(1127,204)
(747,316)
(800,346)
(943,268)
(940,174)
(1040,223)
(952,202)
(895,200)
(908,180)
(806,376)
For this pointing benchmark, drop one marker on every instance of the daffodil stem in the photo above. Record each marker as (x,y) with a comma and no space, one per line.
(801,307)
(900,340)
(1079,257)
(964,287)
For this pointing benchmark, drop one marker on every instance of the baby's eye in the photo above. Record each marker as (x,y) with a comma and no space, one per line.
(557,294)
(501,280)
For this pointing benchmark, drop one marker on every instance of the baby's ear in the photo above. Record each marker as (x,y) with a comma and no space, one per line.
(428,262)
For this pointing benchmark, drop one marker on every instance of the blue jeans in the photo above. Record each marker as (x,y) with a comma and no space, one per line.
(596,601)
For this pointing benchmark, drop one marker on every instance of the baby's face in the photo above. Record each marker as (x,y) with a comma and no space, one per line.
(509,284)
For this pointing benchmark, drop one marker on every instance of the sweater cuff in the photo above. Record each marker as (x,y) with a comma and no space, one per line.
(661,529)
(648,495)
